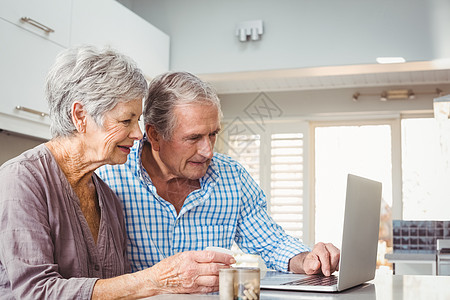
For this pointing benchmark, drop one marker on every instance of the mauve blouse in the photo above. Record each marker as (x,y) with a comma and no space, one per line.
(46,247)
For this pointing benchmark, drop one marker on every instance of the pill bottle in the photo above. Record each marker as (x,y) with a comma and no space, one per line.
(247,283)
(227,284)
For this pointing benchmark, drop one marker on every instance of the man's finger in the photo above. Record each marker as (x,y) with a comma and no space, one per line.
(311,264)
(324,257)
(335,256)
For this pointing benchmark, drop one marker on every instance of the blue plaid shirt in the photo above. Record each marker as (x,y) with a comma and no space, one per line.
(229,206)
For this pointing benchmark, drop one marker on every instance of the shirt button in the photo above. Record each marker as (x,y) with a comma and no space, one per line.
(97,267)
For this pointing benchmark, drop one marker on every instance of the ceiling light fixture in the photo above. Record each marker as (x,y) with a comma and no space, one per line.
(398,94)
(390,60)
(356,96)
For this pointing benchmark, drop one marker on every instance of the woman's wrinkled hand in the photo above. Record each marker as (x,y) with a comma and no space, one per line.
(189,272)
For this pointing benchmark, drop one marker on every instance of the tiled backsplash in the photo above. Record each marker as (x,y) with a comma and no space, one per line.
(419,236)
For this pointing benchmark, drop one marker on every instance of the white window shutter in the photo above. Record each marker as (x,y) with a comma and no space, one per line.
(286,189)
(246,150)
(282,180)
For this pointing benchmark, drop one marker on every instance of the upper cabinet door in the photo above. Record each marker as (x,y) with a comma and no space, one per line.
(25,62)
(49,19)
(106,23)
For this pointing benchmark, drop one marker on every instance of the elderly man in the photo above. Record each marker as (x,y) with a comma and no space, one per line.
(179,195)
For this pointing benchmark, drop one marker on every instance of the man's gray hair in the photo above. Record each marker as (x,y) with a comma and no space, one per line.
(99,80)
(171,89)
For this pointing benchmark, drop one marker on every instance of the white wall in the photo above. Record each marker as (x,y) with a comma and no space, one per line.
(298,33)
(302,33)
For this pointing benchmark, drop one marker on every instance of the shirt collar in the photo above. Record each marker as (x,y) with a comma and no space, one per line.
(141,172)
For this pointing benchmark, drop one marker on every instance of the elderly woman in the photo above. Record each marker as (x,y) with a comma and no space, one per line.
(61,228)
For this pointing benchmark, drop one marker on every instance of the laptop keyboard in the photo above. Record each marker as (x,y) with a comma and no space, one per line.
(315,280)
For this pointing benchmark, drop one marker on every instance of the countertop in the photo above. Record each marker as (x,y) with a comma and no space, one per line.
(410,256)
(383,287)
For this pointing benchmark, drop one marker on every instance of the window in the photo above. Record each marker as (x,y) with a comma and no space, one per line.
(426,169)
(246,149)
(363,150)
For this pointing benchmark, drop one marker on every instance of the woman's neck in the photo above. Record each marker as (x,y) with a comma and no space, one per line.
(70,154)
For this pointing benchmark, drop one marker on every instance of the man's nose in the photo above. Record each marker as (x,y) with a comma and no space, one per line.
(206,148)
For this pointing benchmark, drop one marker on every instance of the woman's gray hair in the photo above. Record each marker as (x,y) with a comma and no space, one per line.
(97,79)
(171,89)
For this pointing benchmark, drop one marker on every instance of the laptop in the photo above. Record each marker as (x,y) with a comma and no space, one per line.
(359,244)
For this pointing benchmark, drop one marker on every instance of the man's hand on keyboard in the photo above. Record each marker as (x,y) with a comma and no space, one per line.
(323,259)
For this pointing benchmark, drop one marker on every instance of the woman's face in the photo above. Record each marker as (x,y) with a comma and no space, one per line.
(111,144)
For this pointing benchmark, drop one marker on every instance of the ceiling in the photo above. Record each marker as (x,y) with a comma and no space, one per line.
(357,76)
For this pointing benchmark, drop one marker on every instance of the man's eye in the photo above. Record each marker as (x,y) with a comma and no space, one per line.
(126,122)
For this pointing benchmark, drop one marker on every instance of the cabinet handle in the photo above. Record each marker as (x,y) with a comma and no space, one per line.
(32,111)
(37,24)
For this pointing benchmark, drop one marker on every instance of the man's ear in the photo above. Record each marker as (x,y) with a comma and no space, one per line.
(79,117)
(153,137)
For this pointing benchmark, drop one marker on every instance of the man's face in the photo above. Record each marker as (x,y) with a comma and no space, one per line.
(187,154)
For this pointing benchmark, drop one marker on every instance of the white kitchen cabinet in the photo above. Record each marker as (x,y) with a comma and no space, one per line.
(106,23)
(51,18)
(27,52)
(24,65)
(29,49)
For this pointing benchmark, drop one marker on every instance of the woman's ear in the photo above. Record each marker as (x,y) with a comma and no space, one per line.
(153,137)
(79,117)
